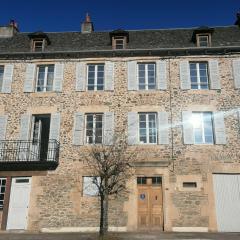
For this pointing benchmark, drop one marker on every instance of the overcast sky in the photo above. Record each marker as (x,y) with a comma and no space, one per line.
(66,15)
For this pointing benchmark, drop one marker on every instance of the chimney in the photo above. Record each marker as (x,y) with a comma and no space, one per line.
(238,19)
(87,25)
(10,30)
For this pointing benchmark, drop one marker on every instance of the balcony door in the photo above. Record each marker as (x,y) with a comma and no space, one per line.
(40,135)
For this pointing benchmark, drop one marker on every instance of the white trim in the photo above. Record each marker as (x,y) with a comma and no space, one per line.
(146,77)
(81,229)
(190,229)
(96,76)
(45,83)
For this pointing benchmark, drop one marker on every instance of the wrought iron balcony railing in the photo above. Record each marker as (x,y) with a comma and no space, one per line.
(22,155)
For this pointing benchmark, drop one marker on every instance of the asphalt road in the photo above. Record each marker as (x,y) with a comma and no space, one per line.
(119,236)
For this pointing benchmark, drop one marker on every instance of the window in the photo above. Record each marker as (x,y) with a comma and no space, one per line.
(148,127)
(141,180)
(189,184)
(38,45)
(146,76)
(45,76)
(119,42)
(94,128)
(156,180)
(3,182)
(202,127)
(1,77)
(199,75)
(95,77)
(90,186)
(203,40)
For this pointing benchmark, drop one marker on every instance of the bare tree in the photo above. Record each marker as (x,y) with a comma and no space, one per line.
(111,167)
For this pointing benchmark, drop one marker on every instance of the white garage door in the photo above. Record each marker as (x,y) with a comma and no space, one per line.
(227,201)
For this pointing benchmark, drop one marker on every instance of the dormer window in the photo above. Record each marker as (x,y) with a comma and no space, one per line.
(38,45)
(119,39)
(203,40)
(119,42)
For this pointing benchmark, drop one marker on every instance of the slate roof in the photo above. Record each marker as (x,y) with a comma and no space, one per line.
(140,39)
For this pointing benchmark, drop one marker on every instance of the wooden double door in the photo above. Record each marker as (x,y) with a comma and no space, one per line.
(150,203)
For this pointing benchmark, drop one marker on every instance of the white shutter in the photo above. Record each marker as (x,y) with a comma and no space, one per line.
(187,127)
(161,75)
(132,128)
(214,74)
(219,128)
(163,128)
(58,77)
(132,76)
(55,126)
(236,72)
(25,127)
(29,78)
(78,131)
(80,76)
(108,128)
(109,76)
(3,126)
(7,78)
(185,75)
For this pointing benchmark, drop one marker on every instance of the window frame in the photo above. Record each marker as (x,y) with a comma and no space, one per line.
(95,86)
(1,76)
(93,129)
(2,193)
(199,85)
(34,41)
(203,127)
(146,77)
(147,127)
(46,66)
(119,38)
(203,35)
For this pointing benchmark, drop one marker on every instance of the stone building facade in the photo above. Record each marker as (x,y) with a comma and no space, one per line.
(175,92)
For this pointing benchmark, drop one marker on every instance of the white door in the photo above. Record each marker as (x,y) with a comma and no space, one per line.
(19,202)
(227,201)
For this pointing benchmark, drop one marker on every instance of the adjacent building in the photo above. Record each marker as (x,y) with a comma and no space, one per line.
(176,92)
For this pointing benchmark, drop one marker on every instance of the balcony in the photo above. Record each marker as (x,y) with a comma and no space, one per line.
(28,155)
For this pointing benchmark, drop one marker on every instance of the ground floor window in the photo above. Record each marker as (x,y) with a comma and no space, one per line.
(3,182)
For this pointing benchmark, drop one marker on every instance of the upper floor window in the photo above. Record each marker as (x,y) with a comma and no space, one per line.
(3,182)
(38,45)
(45,76)
(147,75)
(148,127)
(203,40)
(199,75)
(1,77)
(94,128)
(119,42)
(202,127)
(95,77)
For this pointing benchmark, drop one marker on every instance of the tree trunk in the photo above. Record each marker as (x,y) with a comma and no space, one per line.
(104,214)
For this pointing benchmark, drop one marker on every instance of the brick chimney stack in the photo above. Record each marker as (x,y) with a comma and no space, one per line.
(87,25)
(238,19)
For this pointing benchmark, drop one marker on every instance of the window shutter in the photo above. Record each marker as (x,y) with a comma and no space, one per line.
(25,127)
(29,78)
(58,77)
(55,126)
(187,127)
(7,78)
(109,76)
(80,76)
(3,126)
(132,76)
(78,131)
(163,128)
(185,75)
(132,128)
(236,72)
(219,128)
(108,128)
(214,74)
(161,75)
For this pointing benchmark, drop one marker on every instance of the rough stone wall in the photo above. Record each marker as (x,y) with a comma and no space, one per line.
(60,202)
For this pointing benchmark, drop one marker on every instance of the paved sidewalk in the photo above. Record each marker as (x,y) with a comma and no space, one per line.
(120,236)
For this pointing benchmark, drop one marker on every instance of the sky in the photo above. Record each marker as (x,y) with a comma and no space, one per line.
(67,15)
